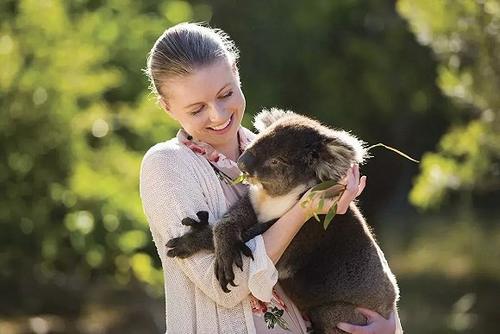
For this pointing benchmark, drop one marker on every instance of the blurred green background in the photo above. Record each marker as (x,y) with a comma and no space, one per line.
(76,255)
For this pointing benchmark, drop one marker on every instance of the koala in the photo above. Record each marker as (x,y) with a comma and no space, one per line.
(327,273)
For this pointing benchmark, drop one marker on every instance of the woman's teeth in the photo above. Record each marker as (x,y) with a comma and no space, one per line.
(223,126)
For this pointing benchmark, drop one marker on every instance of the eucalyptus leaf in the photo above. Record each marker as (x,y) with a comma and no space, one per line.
(241,178)
(310,196)
(324,185)
(331,213)
(335,190)
(316,216)
(321,203)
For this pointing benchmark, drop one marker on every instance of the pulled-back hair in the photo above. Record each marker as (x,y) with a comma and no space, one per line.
(185,47)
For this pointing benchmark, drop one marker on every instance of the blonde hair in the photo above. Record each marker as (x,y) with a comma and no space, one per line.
(185,47)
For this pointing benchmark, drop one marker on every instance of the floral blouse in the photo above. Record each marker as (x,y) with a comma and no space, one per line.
(280,315)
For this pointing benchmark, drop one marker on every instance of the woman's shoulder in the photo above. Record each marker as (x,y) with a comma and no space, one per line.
(167,155)
(172,150)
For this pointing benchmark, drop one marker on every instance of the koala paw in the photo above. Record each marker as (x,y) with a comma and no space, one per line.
(198,238)
(227,254)
(202,216)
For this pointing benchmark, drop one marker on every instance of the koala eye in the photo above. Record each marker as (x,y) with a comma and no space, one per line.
(276,162)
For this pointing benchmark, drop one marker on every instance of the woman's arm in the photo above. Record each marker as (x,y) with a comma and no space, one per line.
(280,234)
(169,194)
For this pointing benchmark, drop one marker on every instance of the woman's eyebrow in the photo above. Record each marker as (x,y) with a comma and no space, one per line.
(220,90)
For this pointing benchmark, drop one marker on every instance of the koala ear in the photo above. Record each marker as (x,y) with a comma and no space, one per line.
(357,146)
(267,117)
(339,151)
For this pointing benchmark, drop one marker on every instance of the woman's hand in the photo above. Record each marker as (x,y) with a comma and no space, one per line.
(377,324)
(354,186)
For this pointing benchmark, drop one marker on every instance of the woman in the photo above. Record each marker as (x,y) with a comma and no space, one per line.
(193,71)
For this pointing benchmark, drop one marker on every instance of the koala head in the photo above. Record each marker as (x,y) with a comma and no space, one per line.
(293,150)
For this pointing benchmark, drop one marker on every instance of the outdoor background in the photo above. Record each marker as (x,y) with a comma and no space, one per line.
(76,254)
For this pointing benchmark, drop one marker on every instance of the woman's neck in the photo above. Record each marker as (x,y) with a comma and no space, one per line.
(230,150)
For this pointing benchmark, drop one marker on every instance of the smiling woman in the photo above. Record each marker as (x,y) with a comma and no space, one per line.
(193,71)
(209,113)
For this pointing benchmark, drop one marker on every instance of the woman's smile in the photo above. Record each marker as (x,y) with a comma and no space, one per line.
(221,129)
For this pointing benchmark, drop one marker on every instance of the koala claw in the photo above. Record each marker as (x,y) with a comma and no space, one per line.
(246,251)
(172,242)
(179,248)
(219,274)
(224,263)
(202,216)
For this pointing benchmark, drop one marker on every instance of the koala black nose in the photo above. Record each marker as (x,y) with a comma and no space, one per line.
(246,162)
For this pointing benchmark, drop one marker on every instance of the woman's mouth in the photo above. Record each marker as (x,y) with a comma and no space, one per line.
(223,127)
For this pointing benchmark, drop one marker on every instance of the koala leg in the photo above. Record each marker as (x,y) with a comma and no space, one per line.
(326,317)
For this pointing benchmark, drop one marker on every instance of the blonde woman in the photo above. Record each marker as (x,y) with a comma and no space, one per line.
(193,71)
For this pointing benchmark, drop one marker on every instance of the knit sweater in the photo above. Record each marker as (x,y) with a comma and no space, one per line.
(176,183)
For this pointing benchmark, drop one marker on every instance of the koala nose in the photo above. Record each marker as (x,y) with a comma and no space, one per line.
(246,162)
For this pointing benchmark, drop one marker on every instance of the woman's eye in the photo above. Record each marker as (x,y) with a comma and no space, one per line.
(197,111)
(228,94)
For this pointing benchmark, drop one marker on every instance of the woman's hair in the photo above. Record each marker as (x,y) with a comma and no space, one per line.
(185,47)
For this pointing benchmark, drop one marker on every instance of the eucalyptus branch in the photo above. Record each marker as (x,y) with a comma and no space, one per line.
(393,149)
(326,190)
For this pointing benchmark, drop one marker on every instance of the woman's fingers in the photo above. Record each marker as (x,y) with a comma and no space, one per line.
(362,185)
(376,324)
(354,187)
(369,314)
(348,327)
(355,177)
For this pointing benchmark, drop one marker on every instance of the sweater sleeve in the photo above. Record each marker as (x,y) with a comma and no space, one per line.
(171,192)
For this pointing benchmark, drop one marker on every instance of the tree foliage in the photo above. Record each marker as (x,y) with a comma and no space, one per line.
(465,37)
(77,115)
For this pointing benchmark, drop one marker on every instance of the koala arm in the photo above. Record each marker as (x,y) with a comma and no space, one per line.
(228,240)
(170,194)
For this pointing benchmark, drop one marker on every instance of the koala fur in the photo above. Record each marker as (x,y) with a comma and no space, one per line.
(327,273)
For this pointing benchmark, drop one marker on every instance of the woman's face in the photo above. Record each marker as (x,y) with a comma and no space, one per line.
(208,103)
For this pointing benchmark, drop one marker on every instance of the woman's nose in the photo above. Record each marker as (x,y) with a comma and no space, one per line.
(218,113)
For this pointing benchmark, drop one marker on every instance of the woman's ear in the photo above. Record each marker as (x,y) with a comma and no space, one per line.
(236,72)
(164,105)
(234,67)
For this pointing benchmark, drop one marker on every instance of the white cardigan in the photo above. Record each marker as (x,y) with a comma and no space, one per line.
(176,183)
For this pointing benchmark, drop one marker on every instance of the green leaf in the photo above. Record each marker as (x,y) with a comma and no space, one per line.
(321,203)
(335,190)
(323,185)
(242,177)
(330,215)
(316,216)
(395,150)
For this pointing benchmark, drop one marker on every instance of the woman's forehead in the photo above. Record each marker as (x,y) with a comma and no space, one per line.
(204,82)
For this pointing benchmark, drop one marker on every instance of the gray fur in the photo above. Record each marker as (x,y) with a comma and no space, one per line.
(326,273)
(266,117)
